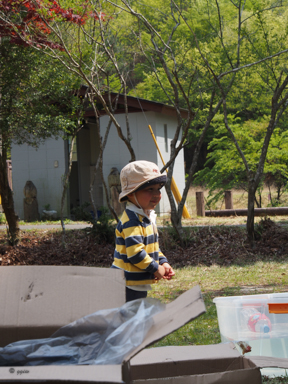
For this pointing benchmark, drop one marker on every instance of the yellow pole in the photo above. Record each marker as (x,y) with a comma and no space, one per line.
(174,187)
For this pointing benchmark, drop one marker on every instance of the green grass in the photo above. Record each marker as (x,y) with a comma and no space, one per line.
(217,281)
(2,218)
(234,280)
(66,221)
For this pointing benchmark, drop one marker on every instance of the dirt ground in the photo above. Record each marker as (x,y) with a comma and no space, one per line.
(222,245)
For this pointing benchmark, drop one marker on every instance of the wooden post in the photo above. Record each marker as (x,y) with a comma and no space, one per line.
(200,204)
(228,200)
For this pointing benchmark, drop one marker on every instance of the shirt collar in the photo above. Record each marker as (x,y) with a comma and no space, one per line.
(132,207)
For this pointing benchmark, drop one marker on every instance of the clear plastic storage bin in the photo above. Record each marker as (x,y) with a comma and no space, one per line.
(247,318)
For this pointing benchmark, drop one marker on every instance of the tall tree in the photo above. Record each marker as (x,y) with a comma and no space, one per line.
(84,42)
(197,54)
(36,103)
(29,82)
(224,168)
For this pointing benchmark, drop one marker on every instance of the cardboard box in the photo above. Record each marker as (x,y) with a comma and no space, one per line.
(38,300)
(201,364)
(35,301)
(219,363)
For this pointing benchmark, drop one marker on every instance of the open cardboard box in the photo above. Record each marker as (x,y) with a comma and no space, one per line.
(35,301)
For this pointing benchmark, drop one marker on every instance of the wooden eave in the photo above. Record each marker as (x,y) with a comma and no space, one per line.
(135,104)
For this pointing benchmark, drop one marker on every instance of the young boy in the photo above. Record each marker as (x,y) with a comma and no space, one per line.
(137,250)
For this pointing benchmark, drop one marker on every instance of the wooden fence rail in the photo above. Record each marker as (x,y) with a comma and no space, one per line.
(229,211)
(273,211)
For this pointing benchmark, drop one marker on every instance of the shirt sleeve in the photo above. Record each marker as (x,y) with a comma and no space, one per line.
(162,258)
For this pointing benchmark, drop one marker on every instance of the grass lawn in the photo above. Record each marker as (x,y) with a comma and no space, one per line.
(234,280)
(262,277)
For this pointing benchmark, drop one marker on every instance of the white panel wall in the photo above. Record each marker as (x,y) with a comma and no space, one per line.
(38,165)
(179,170)
(117,155)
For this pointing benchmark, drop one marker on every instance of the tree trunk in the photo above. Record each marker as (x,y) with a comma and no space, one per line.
(250,214)
(8,203)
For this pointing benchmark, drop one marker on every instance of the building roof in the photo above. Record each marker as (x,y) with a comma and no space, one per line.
(136,104)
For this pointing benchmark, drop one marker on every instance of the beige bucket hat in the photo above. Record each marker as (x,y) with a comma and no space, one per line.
(137,175)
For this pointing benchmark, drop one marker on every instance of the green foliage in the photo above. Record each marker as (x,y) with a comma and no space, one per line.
(214,28)
(82,213)
(187,34)
(170,239)
(224,168)
(36,98)
(2,218)
(261,226)
(103,227)
(276,165)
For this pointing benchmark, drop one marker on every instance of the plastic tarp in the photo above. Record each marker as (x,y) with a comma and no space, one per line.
(104,337)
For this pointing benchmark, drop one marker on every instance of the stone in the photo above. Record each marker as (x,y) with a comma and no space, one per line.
(30,202)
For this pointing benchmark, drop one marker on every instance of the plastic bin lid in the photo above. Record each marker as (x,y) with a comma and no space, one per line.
(260,298)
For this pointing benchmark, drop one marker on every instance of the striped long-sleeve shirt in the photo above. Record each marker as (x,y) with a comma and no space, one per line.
(137,250)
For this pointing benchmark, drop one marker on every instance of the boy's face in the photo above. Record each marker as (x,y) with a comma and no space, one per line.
(148,197)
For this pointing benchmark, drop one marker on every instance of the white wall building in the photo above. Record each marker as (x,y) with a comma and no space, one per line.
(46,165)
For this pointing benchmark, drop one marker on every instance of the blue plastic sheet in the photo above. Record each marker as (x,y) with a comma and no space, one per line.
(104,337)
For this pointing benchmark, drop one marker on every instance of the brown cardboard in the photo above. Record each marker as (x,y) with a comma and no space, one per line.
(185,308)
(45,298)
(190,305)
(205,364)
(37,300)
(70,373)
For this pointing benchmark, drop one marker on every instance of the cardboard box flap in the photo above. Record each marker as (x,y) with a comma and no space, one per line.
(239,376)
(269,362)
(179,312)
(35,301)
(186,360)
(185,352)
(218,363)
(77,373)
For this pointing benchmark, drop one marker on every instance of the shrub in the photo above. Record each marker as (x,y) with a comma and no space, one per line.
(83,212)
(103,227)
(2,218)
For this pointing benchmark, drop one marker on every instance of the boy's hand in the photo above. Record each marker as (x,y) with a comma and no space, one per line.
(160,273)
(169,272)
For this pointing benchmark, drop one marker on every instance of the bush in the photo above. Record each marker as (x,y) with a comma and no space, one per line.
(103,227)
(2,218)
(82,213)
(170,240)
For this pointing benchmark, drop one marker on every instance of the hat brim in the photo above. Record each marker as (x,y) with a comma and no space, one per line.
(156,180)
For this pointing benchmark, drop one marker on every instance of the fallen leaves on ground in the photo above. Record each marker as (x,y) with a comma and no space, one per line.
(205,245)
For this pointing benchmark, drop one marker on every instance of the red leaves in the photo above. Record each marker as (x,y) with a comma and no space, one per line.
(67,15)
(29,22)
(100,15)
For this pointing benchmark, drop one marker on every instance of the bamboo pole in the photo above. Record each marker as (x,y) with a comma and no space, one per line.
(174,187)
